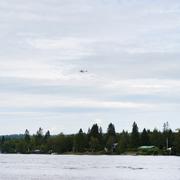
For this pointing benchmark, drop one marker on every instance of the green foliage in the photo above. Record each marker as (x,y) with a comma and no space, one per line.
(27,137)
(110,143)
(94,144)
(95,138)
(156,138)
(145,138)
(123,142)
(80,142)
(135,140)
(8,147)
(21,147)
(110,137)
(111,130)
(177,143)
(39,137)
(46,137)
(95,131)
(95,141)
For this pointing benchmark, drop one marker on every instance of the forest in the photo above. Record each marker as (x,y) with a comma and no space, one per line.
(95,141)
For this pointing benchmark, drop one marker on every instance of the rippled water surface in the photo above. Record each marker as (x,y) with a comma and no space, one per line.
(69,167)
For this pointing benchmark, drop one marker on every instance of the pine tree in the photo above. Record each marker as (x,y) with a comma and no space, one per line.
(123,142)
(135,136)
(111,130)
(27,137)
(94,131)
(177,142)
(110,137)
(145,138)
(156,139)
(46,136)
(94,144)
(39,136)
(79,141)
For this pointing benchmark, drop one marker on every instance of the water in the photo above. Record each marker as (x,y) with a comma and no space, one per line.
(70,167)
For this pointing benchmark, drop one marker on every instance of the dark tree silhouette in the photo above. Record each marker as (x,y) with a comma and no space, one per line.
(135,136)
(145,138)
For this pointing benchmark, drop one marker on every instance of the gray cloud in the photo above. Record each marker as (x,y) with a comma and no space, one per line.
(130,49)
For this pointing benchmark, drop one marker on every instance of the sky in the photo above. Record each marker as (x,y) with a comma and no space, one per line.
(130,48)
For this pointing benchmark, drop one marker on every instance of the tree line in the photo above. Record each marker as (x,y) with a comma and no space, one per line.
(95,141)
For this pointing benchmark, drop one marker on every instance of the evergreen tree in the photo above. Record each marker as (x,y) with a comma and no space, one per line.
(27,137)
(145,138)
(111,130)
(177,142)
(2,140)
(170,136)
(25,147)
(123,142)
(95,138)
(156,139)
(93,141)
(94,144)
(110,137)
(47,136)
(94,131)
(79,142)
(135,136)
(59,145)
(39,136)
(101,140)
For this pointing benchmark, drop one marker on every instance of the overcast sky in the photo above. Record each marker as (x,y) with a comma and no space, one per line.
(130,48)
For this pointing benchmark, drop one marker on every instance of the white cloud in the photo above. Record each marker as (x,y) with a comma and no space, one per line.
(130,49)
(51,101)
(145,86)
(67,47)
(64,43)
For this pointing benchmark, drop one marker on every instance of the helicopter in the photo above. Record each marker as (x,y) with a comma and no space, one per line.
(83,71)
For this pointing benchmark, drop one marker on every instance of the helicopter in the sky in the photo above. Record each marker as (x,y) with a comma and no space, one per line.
(83,71)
